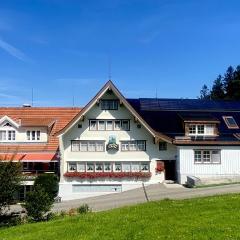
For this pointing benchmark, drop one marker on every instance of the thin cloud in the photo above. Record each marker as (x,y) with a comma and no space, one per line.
(4,95)
(12,50)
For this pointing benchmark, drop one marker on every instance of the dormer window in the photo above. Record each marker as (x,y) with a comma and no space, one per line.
(196,129)
(109,104)
(230,122)
(33,135)
(7,135)
(201,129)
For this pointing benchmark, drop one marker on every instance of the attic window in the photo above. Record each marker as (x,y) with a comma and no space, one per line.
(230,122)
(7,125)
(109,104)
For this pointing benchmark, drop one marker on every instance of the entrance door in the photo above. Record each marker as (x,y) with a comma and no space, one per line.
(170,170)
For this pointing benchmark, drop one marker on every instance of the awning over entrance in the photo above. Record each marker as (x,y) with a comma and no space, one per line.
(30,157)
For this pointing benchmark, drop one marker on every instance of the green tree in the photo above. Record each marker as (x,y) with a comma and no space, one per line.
(236,84)
(49,182)
(37,203)
(217,91)
(204,93)
(10,181)
(228,82)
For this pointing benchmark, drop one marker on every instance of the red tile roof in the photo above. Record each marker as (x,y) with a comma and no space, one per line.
(38,116)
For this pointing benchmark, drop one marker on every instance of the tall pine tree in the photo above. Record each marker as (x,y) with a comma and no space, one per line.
(217,91)
(236,84)
(204,93)
(228,82)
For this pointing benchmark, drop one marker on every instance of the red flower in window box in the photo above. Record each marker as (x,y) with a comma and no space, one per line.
(92,175)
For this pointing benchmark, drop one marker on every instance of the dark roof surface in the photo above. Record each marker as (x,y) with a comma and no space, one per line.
(167,115)
(153,104)
(196,116)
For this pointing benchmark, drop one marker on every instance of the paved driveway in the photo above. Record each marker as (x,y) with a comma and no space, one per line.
(153,192)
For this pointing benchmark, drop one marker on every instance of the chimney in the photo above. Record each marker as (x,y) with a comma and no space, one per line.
(26,105)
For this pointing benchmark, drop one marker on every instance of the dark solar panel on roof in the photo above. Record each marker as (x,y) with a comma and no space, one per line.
(166,115)
(192,116)
(151,104)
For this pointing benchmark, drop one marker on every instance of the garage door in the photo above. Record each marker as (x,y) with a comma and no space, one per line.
(96,188)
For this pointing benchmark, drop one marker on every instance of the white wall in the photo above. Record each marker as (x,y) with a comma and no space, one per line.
(229,166)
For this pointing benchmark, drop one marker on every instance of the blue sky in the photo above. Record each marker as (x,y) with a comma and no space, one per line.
(61,48)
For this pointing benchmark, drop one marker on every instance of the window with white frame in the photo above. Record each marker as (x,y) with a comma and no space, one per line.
(207,156)
(98,167)
(230,122)
(198,156)
(33,135)
(118,167)
(201,129)
(126,167)
(135,167)
(92,146)
(75,146)
(106,167)
(83,146)
(210,129)
(7,135)
(134,145)
(117,125)
(81,167)
(3,135)
(93,125)
(87,146)
(125,125)
(196,129)
(90,167)
(101,125)
(109,104)
(109,125)
(72,167)
(144,167)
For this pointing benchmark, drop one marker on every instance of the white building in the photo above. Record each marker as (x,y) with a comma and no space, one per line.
(27,135)
(115,144)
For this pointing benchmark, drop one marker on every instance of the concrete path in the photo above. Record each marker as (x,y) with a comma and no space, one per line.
(153,192)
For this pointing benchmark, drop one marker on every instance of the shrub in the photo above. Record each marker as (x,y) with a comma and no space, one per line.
(10,180)
(49,182)
(83,209)
(62,213)
(37,203)
(72,212)
(51,216)
(10,220)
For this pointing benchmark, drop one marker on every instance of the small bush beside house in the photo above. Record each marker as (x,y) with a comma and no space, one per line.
(49,182)
(38,203)
(10,181)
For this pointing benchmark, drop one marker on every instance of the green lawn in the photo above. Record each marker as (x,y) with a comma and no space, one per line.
(203,218)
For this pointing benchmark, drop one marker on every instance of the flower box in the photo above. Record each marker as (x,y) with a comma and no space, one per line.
(108,174)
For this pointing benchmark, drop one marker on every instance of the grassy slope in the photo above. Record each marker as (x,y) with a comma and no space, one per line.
(204,218)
